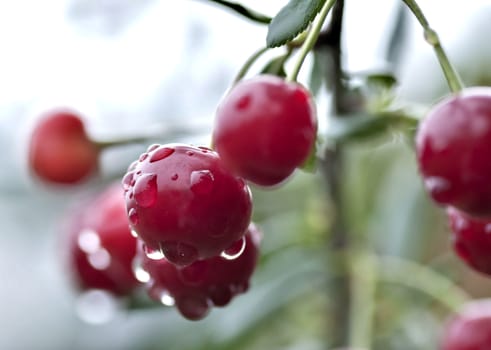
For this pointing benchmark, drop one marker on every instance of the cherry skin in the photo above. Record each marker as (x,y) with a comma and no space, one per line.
(60,151)
(471,240)
(470,329)
(205,283)
(101,247)
(182,201)
(265,128)
(453,145)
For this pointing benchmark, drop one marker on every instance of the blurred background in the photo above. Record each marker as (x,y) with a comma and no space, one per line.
(136,66)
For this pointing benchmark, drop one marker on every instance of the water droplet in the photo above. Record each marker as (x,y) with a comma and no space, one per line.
(140,273)
(97,307)
(437,185)
(143,157)
(205,149)
(152,147)
(139,172)
(235,250)
(193,274)
(134,233)
(243,102)
(167,299)
(88,241)
(146,190)
(202,182)
(133,216)
(100,260)
(174,177)
(132,166)
(190,153)
(127,179)
(220,295)
(179,253)
(161,153)
(153,254)
(193,307)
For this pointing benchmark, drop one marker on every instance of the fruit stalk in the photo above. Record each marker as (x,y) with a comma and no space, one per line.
(311,39)
(453,80)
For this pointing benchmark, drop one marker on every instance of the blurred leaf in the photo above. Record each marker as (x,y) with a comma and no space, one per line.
(386,81)
(363,126)
(291,21)
(310,164)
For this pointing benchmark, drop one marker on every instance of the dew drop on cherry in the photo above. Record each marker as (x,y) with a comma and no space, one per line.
(235,250)
(133,217)
(146,190)
(140,273)
(202,182)
(174,177)
(160,154)
(153,254)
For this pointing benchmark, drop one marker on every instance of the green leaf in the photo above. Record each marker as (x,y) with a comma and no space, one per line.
(292,19)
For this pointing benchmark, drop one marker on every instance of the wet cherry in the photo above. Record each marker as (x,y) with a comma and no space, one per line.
(265,128)
(182,201)
(101,247)
(206,283)
(453,144)
(470,329)
(60,150)
(471,240)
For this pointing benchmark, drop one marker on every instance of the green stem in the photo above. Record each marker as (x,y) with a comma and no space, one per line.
(413,275)
(311,39)
(363,286)
(248,64)
(244,11)
(454,82)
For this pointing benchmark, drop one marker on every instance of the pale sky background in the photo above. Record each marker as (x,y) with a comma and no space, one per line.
(138,63)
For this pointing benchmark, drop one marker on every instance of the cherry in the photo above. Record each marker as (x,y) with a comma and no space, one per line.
(60,150)
(182,201)
(265,128)
(470,329)
(204,283)
(453,144)
(472,239)
(101,247)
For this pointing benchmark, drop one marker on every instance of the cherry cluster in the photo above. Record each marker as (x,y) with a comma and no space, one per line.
(453,145)
(180,222)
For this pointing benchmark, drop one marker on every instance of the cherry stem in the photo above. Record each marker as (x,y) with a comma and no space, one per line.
(311,39)
(248,64)
(416,276)
(157,134)
(453,80)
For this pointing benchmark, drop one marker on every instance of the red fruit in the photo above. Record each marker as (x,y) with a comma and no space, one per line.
(265,128)
(205,283)
(471,239)
(183,201)
(453,145)
(101,247)
(60,150)
(470,329)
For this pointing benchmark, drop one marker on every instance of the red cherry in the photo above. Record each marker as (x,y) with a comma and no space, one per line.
(470,329)
(60,150)
(205,283)
(472,239)
(182,201)
(265,128)
(101,247)
(453,144)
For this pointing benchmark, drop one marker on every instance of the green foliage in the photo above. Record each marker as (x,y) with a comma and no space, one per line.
(291,20)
